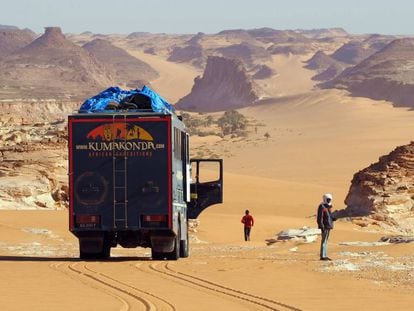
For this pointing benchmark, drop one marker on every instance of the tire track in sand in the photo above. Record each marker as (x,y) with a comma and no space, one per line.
(165,304)
(207,285)
(128,294)
(62,268)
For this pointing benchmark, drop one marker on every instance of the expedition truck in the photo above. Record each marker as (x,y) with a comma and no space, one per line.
(132,183)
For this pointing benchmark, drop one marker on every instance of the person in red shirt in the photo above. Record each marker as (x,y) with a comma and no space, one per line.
(248,222)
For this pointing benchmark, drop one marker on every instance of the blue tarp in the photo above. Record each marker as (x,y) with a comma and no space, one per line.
(98,103)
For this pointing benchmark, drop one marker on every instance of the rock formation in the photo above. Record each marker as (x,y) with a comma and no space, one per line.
(33,166)
(225,85)
(384,191)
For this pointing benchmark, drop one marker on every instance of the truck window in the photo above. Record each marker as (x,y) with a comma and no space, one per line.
(177,144)
(208,171)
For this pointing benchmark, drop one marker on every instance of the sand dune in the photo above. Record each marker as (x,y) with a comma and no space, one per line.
(175,81)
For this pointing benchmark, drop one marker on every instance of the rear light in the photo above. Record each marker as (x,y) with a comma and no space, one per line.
(158,218)
(154,220)
(87,221)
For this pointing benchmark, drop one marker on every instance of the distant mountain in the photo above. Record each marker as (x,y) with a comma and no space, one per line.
(265,34)
(330,73)
(240,34)
(53,67)
(249,54)
(225,85)
(352,53)
(8,27)
(386,75)
(269,35)
(127,69)
(320,61)
(263,72)
(323,32)
(326,66)
(12,39)
(137,34)
(286,49)
(192,53)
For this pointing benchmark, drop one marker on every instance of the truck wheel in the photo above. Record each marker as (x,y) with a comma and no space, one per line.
(184,247)
(88,251)
(157,255)
(106,250)
(175,254)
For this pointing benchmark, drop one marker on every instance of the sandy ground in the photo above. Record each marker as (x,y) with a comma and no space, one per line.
(318,140)
(38,254)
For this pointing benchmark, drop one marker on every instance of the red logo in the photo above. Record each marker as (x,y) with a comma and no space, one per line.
(119,131)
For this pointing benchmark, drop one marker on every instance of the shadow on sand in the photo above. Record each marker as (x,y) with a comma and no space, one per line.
(69,259)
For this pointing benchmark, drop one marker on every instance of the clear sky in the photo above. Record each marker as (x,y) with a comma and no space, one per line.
(209,16)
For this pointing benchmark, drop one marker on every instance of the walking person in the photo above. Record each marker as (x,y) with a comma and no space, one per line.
(248,222)
(325,223)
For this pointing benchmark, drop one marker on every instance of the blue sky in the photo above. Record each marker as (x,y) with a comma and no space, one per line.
(209,16)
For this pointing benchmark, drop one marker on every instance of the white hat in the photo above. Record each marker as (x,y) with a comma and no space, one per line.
(327,199)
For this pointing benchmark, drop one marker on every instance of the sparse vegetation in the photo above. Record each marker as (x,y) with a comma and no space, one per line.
(232,122)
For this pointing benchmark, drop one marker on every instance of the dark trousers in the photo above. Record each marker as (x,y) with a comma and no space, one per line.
(324,243)
(247,233)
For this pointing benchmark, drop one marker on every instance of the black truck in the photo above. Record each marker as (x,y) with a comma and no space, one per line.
(132,183)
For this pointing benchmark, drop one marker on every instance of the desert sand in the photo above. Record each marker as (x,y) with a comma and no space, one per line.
(318,140)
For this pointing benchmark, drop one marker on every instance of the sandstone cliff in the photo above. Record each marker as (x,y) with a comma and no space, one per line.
(384,191)
(225,85)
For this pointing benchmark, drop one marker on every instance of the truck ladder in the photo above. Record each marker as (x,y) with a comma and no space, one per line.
(120,182)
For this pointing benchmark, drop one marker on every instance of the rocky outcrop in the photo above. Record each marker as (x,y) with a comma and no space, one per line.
(33,163)
(225,85)
(304,235)
(384,191)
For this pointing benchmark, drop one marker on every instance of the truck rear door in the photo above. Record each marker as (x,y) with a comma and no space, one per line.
(207,185)
(119,168)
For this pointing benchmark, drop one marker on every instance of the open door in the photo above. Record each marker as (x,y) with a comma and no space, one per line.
(206,185)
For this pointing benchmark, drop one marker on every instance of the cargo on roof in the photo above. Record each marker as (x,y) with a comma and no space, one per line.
(115,98)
